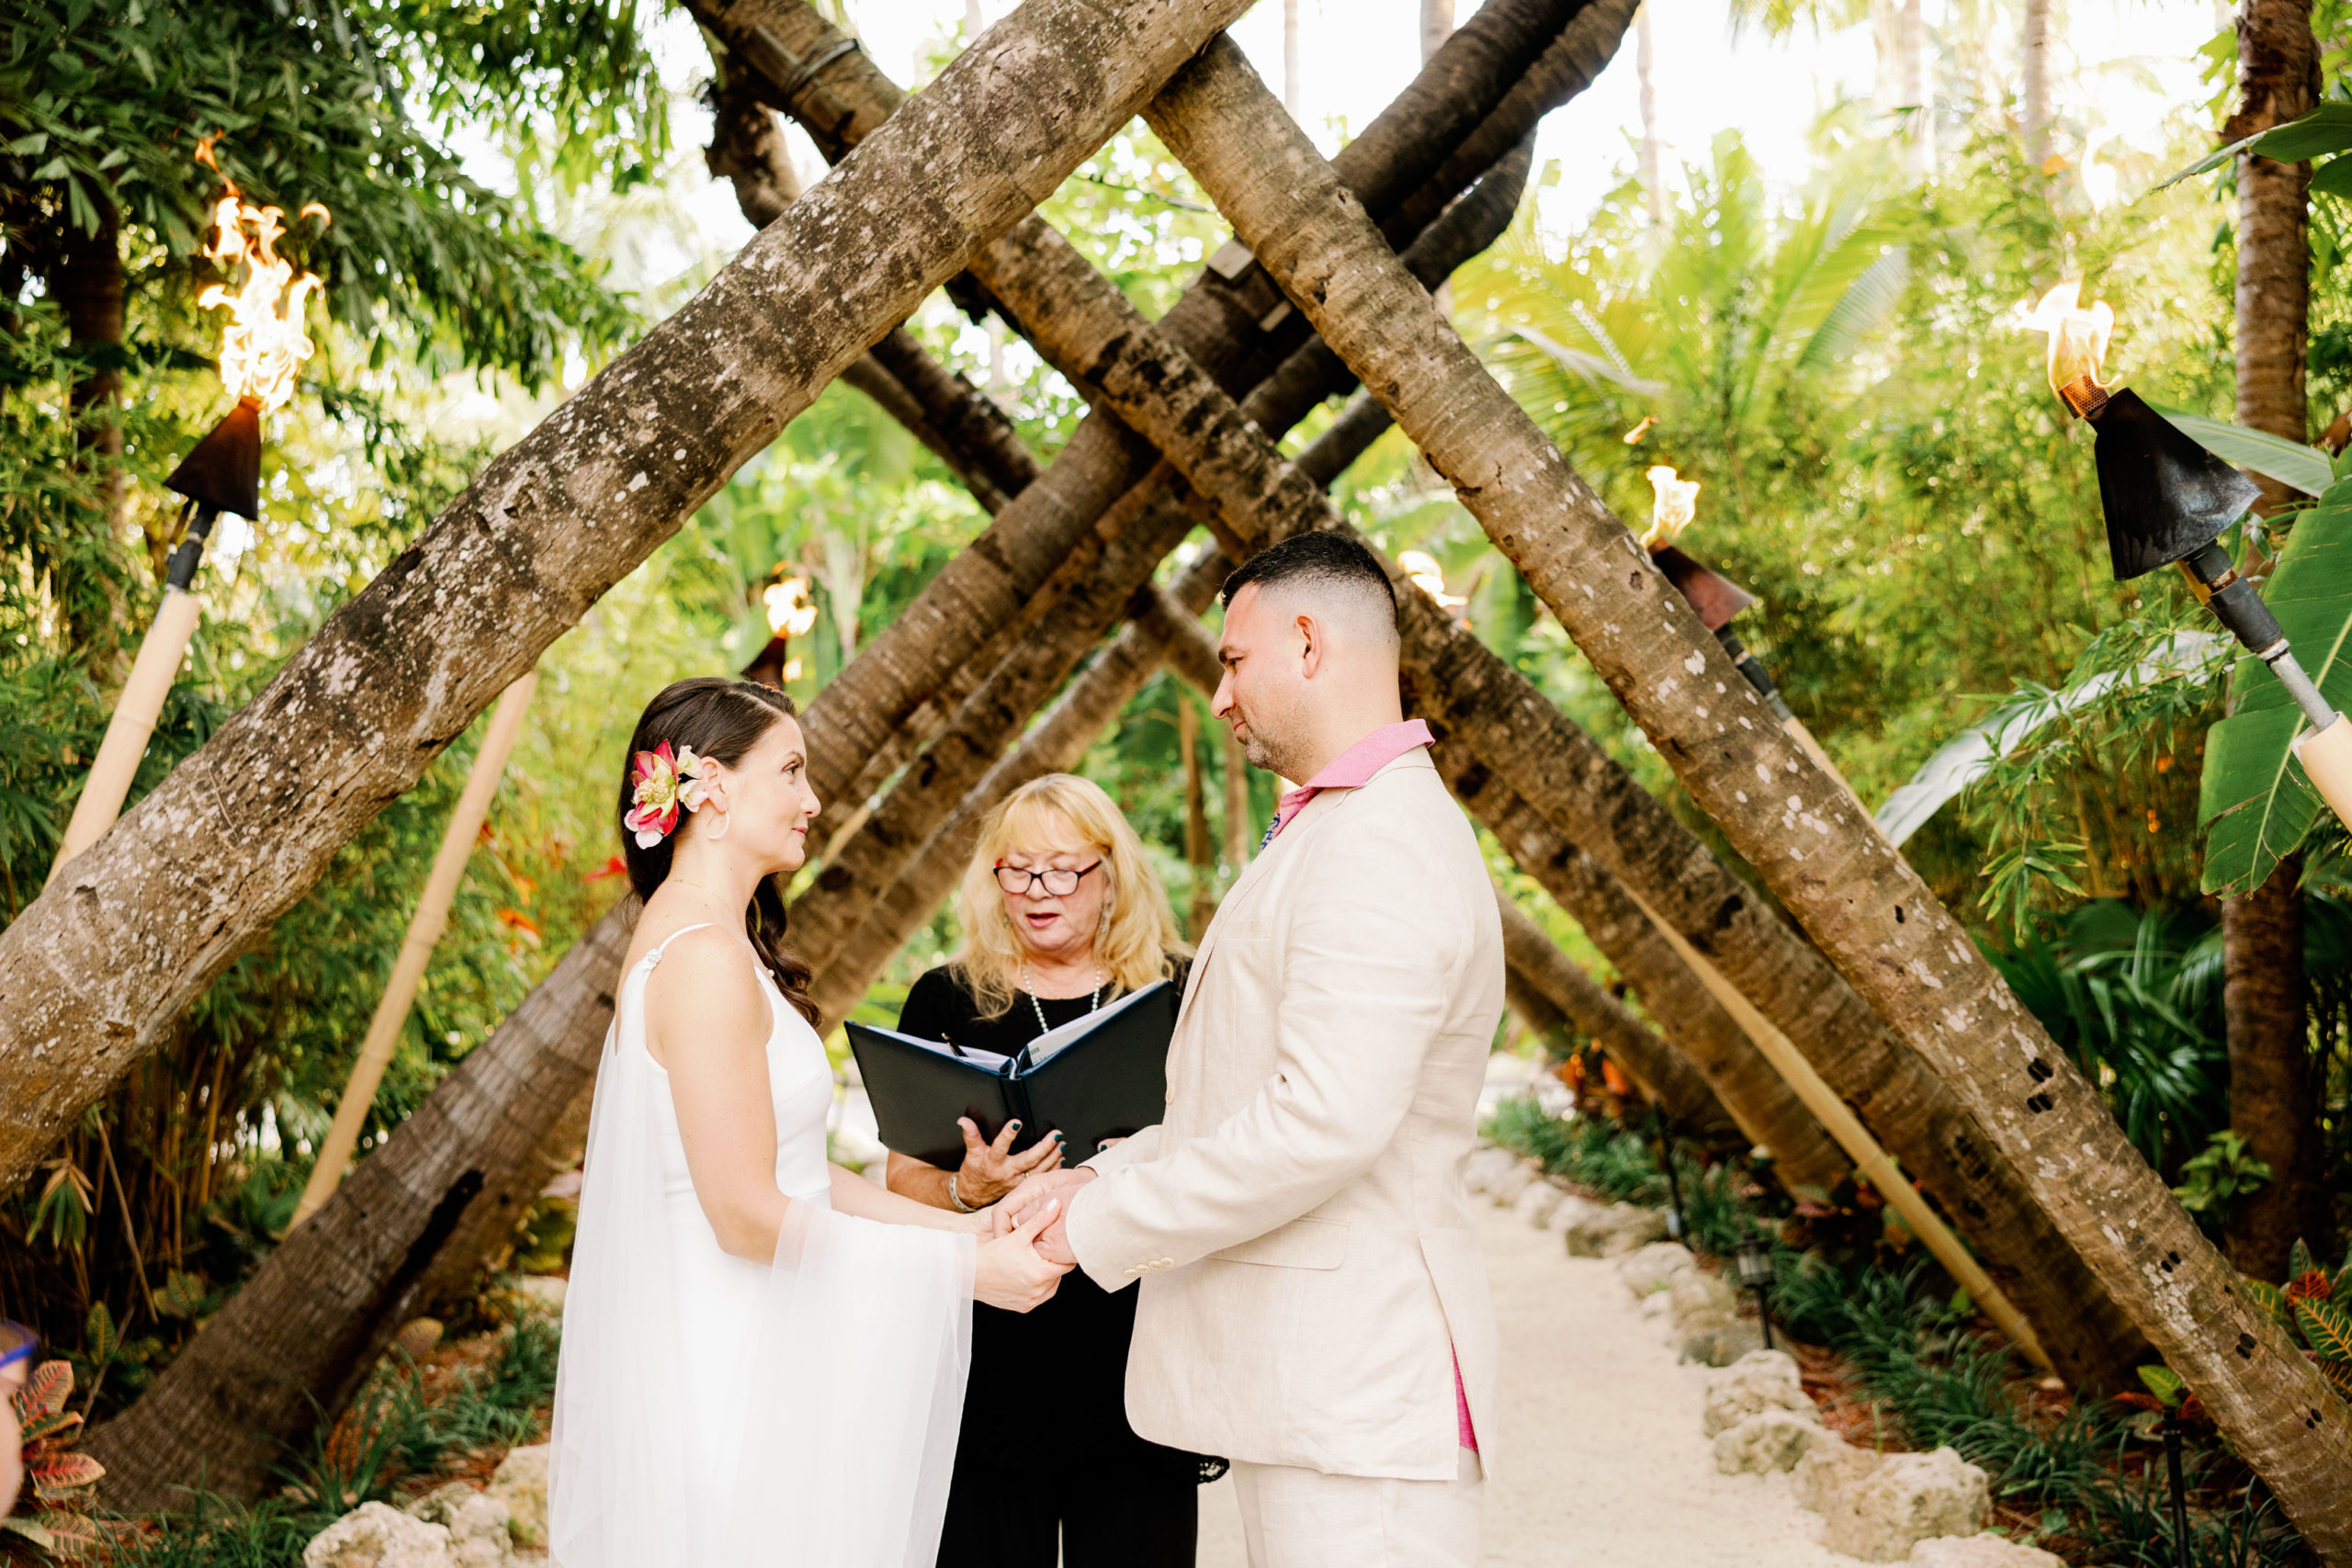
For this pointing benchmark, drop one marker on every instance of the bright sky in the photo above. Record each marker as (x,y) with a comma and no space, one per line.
(2132,59)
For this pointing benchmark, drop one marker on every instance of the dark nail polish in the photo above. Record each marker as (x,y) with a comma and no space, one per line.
(1059,1139)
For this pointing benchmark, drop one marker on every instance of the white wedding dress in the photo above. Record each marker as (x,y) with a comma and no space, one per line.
(714,1411)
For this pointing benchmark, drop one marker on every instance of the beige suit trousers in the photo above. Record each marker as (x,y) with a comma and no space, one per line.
(1293,1518)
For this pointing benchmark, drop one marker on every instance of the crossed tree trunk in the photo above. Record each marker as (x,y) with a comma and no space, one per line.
(1872,914)
(245,1385)
(139,924)
(1090,332)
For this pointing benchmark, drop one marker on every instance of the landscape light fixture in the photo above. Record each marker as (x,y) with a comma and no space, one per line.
(2167,501)
(260,348)
(1754,1256)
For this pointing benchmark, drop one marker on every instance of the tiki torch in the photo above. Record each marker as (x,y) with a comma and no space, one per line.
(260,348)
(1717,600)
(2166,500)
(791,613)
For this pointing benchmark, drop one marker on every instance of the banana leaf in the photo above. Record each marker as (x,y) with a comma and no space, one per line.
(2327,129)
(2273,456)
(2254,803)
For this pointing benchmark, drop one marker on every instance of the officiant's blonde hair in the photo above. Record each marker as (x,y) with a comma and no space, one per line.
(1137,942)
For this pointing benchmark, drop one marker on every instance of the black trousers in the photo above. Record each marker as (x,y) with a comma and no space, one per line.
(1008,1516)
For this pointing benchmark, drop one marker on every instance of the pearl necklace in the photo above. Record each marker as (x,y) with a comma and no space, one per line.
(1029,985)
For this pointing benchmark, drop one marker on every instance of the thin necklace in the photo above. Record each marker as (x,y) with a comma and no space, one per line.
(1029,984)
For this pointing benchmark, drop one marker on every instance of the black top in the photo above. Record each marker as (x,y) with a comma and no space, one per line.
(1070,1355)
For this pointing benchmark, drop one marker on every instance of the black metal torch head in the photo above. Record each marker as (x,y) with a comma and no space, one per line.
(2165,497)
(224,470)
(1715,597)
(767,667)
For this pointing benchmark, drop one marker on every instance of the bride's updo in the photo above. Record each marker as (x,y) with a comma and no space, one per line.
(721,719)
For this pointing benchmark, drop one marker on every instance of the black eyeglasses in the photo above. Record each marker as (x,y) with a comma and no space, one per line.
(1058,882)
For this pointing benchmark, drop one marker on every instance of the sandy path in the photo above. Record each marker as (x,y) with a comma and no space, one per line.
(1604,1462)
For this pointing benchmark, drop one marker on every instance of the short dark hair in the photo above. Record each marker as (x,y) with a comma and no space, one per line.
(1315,557)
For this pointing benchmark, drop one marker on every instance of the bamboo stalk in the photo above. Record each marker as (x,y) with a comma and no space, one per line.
(1870,1161)
(425,929)
(135,712)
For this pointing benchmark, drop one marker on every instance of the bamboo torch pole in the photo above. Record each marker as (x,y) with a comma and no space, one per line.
(425,929)
(1870,1160)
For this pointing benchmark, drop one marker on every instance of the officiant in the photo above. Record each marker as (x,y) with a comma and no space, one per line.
(1062,914)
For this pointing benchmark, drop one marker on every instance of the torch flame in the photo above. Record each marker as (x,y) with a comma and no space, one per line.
(264,344)
(1634,436)
(1429,577)
(1675,502)
(790,611)
(2078,334)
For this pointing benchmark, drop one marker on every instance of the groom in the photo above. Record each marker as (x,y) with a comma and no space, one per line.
(1314,1302)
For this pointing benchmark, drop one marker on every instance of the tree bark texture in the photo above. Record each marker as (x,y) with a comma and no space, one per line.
(1749,1090)
(1670,1082)
(2274,1076)
(2274,1099)
(441,1193)
(2278,82)
(812,72)
(1871,913)
(135,927)
(1072,314)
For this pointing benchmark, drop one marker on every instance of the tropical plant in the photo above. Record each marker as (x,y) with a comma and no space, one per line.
(2257,806)
(2214,1179)
(2315,1308)
(2130,996)
(54,1518)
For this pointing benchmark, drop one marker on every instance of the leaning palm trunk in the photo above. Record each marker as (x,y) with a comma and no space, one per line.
(306,1327)
(1537,963)
(346,1332)
(1803,1154)
(1405,168)
(1871,913)
(95,969)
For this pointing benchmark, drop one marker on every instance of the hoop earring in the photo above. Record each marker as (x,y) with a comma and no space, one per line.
(725,821)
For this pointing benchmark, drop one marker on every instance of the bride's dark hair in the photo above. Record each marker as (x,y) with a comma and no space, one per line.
(721,719)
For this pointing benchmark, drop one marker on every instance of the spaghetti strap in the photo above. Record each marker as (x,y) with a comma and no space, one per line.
(654,955)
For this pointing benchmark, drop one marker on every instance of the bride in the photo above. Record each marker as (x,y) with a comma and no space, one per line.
(764,1354)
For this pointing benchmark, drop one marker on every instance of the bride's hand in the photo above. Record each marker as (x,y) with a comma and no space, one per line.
(1008,1273)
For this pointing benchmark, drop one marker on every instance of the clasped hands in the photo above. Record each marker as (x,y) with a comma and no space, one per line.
(1053,1241)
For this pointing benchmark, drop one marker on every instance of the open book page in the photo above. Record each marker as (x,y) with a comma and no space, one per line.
(978,1057)
(1042,1050)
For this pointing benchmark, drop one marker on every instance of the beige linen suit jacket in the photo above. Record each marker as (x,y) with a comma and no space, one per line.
(1298,1221)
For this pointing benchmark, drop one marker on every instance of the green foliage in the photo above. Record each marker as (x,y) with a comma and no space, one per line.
(2212,1181)
(2257,806)
(1621,1165)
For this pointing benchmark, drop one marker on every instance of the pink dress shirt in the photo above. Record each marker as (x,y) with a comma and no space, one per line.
(1352,769)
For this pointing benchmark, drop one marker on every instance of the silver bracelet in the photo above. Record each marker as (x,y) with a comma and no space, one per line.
(955,1197)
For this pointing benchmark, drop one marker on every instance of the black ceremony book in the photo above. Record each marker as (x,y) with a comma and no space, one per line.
(1103,1075)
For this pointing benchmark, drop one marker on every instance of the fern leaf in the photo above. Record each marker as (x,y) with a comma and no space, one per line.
(2327,1328)
(99,1332)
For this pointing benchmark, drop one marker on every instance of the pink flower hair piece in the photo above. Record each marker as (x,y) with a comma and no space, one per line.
(662,782)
